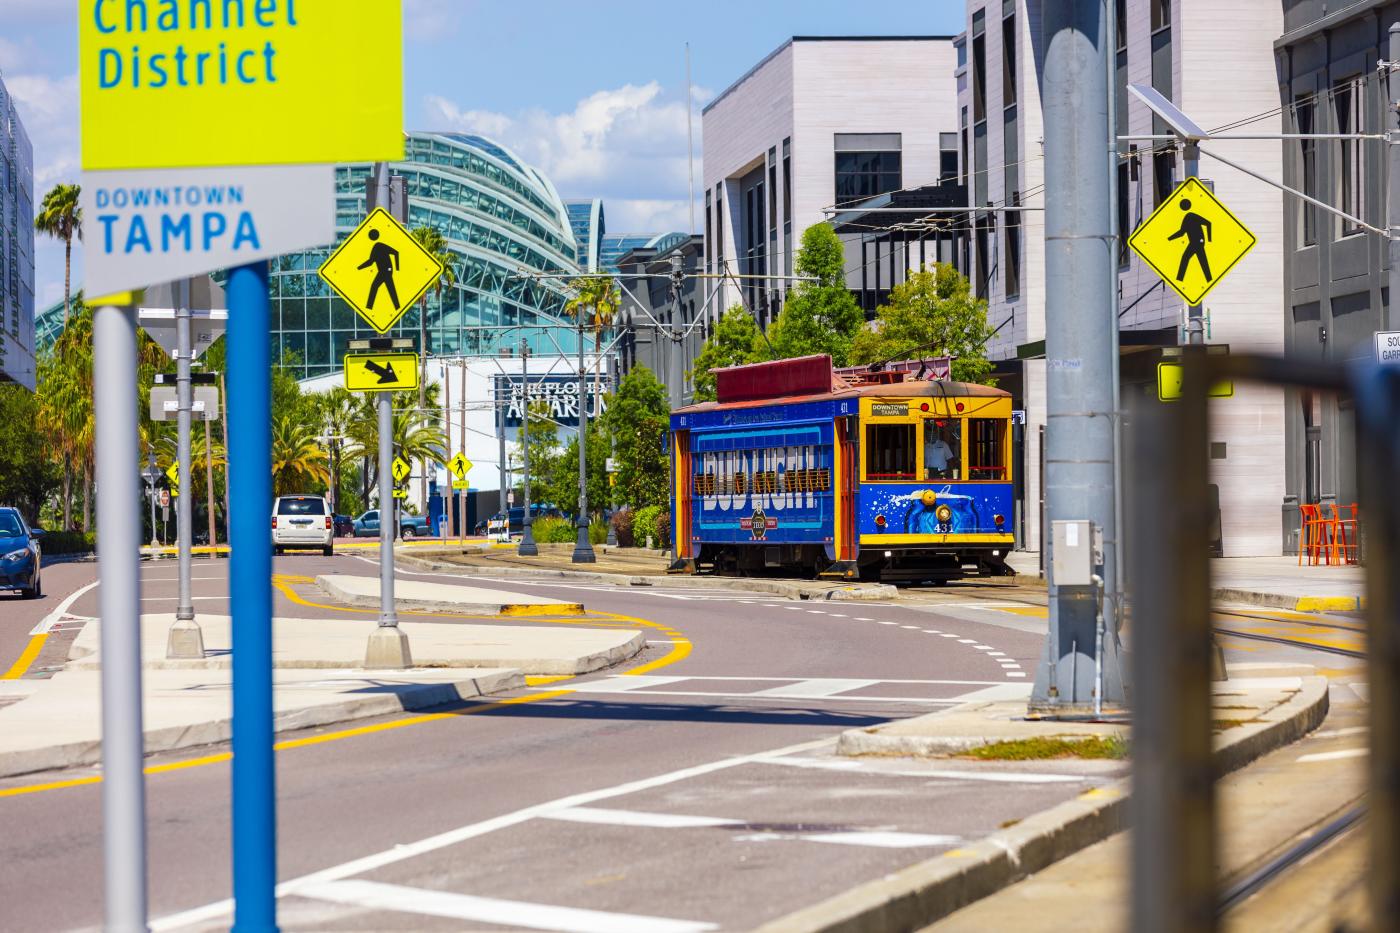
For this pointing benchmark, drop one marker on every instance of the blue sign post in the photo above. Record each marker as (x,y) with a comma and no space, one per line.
(249,391)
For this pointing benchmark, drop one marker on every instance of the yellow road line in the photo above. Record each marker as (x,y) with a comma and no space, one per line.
(680,649)
(26,657)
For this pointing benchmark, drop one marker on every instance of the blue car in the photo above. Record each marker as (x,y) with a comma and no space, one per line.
(19,555)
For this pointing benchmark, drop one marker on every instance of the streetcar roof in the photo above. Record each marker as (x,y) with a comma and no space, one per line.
(910,389)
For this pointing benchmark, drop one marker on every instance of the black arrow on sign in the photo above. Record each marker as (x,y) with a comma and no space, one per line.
(385,372)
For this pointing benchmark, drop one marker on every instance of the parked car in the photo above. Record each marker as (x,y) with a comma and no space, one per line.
(20,555)
(302,522)
(344,525)
(410,526)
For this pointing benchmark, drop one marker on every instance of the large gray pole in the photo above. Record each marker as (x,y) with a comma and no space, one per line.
(388,645)
(1392,148)
(527,547)
(675,365)
(583,548)
(119,606)
(504,481)
(1081,341)
(185,640)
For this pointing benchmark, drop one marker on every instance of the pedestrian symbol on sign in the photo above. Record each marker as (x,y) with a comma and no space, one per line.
(1192,240)
(1196,229)
(385,260)
(381,255)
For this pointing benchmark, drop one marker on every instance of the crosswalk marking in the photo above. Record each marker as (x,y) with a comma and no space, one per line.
(816,687)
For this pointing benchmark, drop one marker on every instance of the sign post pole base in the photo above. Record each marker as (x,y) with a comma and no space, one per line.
(388,649)
(185,641)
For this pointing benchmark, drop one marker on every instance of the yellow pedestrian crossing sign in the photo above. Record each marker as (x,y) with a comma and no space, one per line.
(173,474)
(401,469)
(381,270)
(459,465)
(380,372)
(1192,240)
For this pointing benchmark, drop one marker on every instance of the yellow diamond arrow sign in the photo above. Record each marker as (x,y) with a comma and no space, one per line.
(401,469)
(1192,240)
(381,270)
(459,465)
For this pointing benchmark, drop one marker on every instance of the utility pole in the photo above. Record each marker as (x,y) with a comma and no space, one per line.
(388,646)
(504,478)
(152,477)
(450,514)
(185,640)
(1195,315)
(612,452)
(527,547)
(676,382)
(1081,343)
(1392,151)
(583,548)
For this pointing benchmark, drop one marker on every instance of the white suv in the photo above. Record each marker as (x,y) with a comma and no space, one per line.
(302,522)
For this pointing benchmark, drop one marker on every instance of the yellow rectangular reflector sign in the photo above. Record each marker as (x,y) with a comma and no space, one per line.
(1169,376)
(381,372)
(168,84)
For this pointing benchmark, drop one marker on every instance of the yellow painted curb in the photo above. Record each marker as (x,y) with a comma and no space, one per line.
(530,609)
(1330,604)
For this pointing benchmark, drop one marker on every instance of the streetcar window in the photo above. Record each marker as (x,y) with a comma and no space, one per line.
(986,448)
(889,452)
(942,448)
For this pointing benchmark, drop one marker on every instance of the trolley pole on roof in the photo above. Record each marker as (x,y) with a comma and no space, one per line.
(1081,344)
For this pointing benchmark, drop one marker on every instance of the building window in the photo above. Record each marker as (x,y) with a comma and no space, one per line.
(1347,98)
(947,157)
(1163,175)
(1304,110)
(962,53)
(773,196)
(1008,61)
(1012,225)
(1161,14)
(719,228)
(1120,17)
(966,165)
(787,203)
(979,68)
(867,164)
(709,236)
(984,271)
(1124,219)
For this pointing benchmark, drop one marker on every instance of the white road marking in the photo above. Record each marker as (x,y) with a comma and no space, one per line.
(1015,673)
(885,840)
(620,684)
(1336,756)
(932,631)
(883,622)
(405,851)
(837,615)
(825,686)
(996,654)
(914,627)
(1338,733)
(983,647)
(949,635)
(874,767)
(171,599)
(863,619)
(636,818)
(48,621)
(967,641)
(375,895)
(817,612)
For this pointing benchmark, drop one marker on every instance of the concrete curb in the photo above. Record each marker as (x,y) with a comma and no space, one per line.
(792,589)
(1295,603)
(333,589)
(931,890)
(411,697)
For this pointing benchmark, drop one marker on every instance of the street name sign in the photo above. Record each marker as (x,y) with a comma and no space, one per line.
(401,469)
(239,82)
(1388,346)
(459,465)
(1192,240)
(1169,379)
(145,227)
(380,372)
(381,270)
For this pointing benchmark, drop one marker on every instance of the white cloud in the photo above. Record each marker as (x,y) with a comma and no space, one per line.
(426,20)
(626,145)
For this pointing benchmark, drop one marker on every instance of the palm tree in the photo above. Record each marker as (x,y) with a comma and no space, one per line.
(594,305)
(432,240)
(297,458)
(334,411)
(61,218)
(416,434)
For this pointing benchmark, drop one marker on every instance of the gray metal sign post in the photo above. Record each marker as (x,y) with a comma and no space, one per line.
(118,450)
(527,547)
(185,640)
(583,548)
(1081,344)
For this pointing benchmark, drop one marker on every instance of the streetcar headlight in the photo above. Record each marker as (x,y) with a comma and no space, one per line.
(999,519)
(928,497)
(943,513)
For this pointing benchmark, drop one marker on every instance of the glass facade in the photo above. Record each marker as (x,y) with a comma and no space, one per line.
(503,220)
(586,219)
(16,247)
(615,246)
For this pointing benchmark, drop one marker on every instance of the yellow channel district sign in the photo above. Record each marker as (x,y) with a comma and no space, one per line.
(380,372)
(1192,241)
(380,270)
(181,84)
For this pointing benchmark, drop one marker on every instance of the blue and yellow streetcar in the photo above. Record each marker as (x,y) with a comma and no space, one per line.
(869,475)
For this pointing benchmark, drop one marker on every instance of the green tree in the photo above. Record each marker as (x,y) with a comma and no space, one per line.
(638,418)
(820,315)
(594,305)
(417,435)
(931,313)
(61,217)
(29,474)
(543,440)
(736,340)
(563,487)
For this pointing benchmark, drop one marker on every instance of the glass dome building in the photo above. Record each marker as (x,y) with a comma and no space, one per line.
(503,220)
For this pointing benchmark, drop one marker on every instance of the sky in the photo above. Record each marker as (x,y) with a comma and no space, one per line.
(592,92)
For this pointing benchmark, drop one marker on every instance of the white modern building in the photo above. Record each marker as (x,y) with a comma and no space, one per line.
(16,247)
(821,122)
(1215,60)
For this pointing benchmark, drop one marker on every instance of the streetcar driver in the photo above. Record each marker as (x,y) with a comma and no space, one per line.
(940,456)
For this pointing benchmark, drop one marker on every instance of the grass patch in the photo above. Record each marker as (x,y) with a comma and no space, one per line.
(1095,746)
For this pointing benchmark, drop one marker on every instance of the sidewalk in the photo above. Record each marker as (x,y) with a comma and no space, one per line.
(443,597)
(1260,709)
(317,675)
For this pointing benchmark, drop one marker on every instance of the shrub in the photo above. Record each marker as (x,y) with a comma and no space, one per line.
(552,530)
(663,528)
(597,531)
(622,524)
(68,542)
(644,526)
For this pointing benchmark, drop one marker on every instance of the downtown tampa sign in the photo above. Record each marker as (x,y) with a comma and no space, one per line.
(210,128)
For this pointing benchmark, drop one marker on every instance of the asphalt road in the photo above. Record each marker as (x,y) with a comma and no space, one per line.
(701,793)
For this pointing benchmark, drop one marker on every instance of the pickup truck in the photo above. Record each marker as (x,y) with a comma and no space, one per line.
(410,526)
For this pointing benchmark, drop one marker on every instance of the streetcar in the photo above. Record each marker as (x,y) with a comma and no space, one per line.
(851,474)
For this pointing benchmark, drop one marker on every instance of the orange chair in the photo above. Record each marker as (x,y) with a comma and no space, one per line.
(1344,543)
(1315,534)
